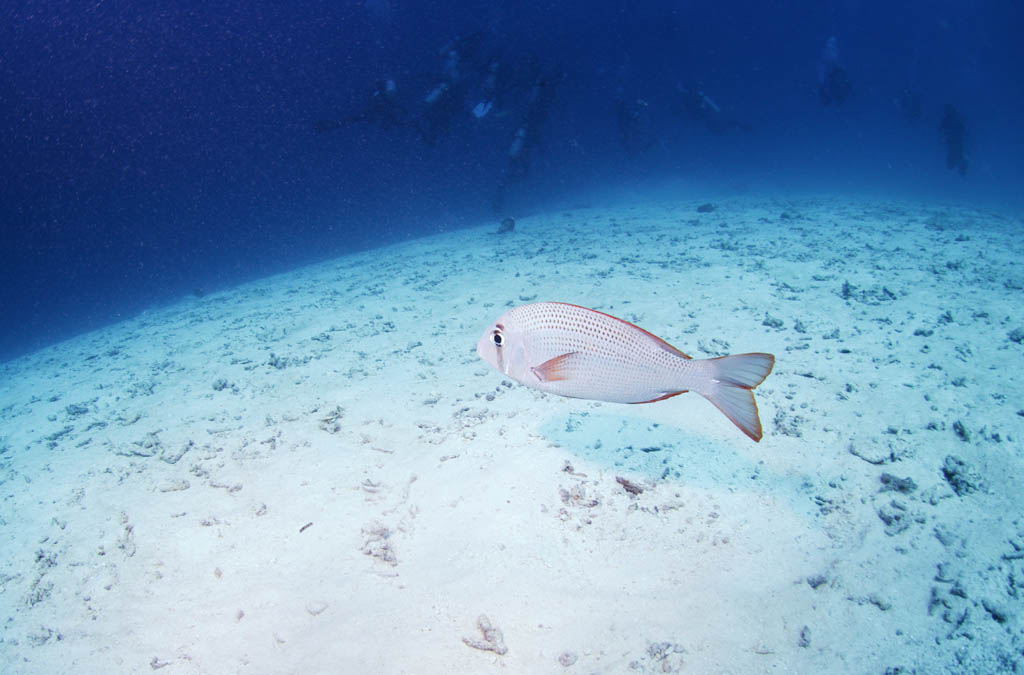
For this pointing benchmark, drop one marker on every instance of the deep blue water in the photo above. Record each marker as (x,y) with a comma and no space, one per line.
(151,150)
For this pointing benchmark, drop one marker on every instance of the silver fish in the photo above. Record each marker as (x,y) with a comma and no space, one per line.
(582,353)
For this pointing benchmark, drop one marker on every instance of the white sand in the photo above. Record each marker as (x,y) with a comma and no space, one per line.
(157,475)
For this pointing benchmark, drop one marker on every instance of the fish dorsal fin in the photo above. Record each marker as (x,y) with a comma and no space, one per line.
(558,368)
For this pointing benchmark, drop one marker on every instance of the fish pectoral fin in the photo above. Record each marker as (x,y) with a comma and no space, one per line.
(558,368)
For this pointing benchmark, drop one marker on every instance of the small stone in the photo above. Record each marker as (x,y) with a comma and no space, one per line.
(871,451)
(891,482)
(567,658)
(494,640)
(174,486)
(879,602)
(629,486)
(998,613)
(945,535)
(316,608)
(961,431)
(960,475)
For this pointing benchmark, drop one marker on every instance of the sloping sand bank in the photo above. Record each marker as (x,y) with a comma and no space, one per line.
(315,473)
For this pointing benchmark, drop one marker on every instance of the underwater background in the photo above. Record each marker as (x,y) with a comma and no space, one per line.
(154,150)
(267,405)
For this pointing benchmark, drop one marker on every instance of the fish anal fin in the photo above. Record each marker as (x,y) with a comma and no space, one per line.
(663,397)
(556,369)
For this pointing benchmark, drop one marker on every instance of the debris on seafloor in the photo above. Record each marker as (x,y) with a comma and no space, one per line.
(493,640)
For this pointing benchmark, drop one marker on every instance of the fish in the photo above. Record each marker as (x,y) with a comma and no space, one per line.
(572,351)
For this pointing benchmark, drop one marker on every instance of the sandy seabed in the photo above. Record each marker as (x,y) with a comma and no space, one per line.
(315,473)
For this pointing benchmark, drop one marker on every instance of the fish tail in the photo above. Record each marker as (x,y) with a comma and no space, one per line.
(731,387)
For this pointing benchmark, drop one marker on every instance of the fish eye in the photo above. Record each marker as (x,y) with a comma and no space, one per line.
(497,338)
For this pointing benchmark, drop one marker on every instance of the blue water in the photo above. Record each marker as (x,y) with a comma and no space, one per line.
(155,150)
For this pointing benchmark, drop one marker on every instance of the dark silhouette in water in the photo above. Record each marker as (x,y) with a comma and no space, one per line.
(527,137)
(833,82)
(539,100)
(834,86)
(444,100)
(491,94)
(636,131)
(463,62)
(697,105)
(434,115)
(441,105)
(953,131)
(383,109)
